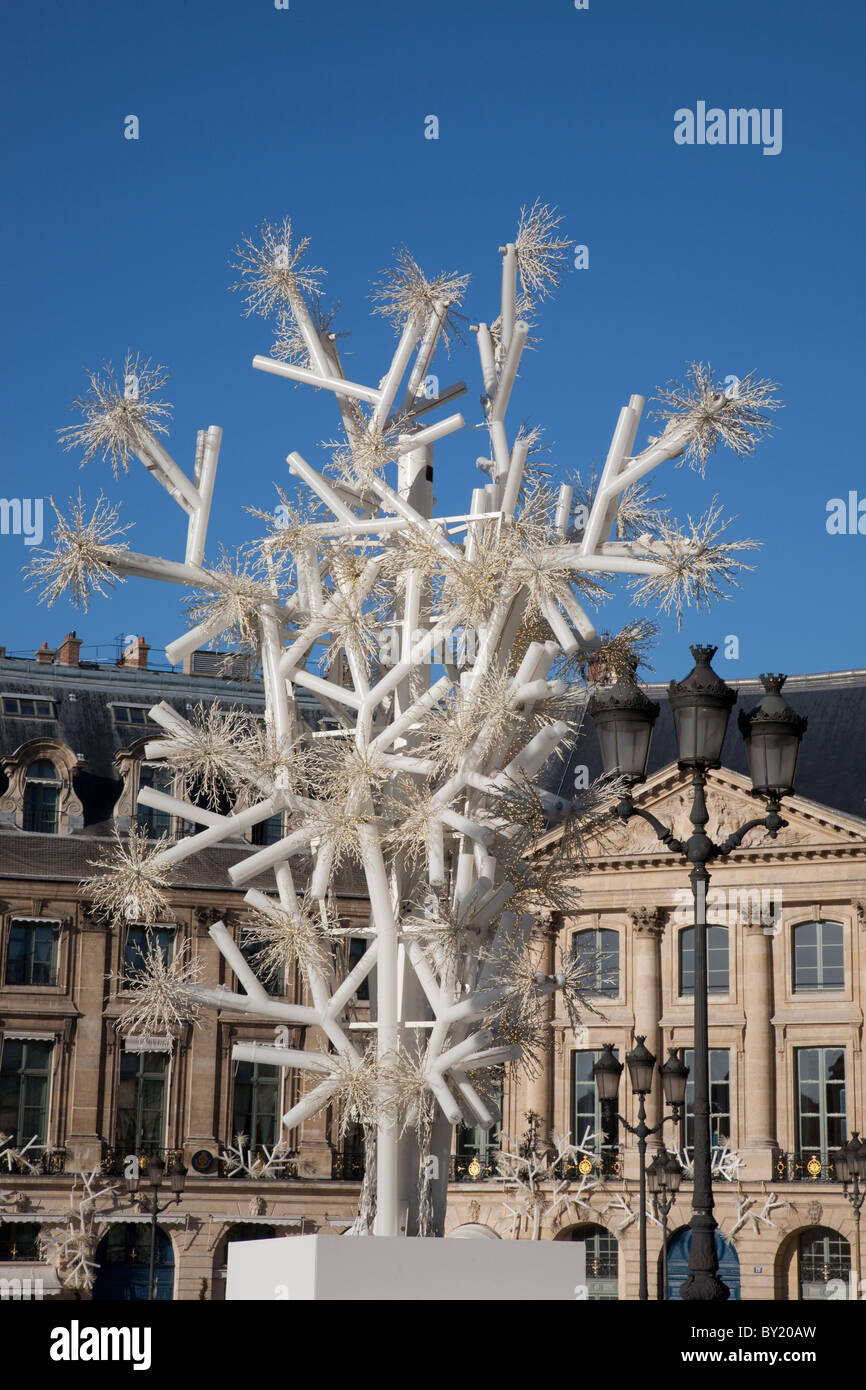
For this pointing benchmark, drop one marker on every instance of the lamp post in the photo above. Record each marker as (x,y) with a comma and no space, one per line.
(664,1176)
(701,706)
(155,1174)
(641,1064)
(850,1165)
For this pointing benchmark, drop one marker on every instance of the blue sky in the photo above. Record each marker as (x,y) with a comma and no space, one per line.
(248,113)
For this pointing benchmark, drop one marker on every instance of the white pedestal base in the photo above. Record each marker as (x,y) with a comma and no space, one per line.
(381,1268)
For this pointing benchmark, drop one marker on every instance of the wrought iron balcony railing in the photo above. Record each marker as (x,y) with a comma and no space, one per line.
(114,1159)
(468,1167)
(34,1163)
(347,1167)
(811,1165)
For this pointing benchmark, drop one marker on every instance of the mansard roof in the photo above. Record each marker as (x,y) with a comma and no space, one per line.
(832,766)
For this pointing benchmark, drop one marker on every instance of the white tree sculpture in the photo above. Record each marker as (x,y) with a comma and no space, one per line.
(430,785)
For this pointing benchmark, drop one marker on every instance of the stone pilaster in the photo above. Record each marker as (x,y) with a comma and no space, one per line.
(648,926)
(759,1139)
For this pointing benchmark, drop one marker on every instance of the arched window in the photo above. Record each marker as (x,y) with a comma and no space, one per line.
(602,1261)
(41,797)
(718,977)
(243,1230)
(823,1256)
(597,951)
(818,958)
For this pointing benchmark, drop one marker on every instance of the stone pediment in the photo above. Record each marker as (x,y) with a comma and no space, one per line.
(668,796)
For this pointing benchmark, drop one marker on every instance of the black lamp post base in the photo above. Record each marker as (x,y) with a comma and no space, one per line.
(704,1287)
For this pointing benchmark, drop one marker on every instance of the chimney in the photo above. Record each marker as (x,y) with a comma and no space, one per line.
(67,652)
(45,655)
(135,654)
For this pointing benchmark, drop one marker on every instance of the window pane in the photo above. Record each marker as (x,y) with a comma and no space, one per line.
(718,981)
(16,956)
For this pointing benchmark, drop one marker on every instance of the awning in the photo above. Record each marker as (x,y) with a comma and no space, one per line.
(121,1218)
(28,1280)
(28,1035)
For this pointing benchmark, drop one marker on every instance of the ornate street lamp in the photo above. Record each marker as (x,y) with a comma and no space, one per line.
(155,1172)
(624,719)
(850,1165)
(664,1176)
(701,706)
(641,1065)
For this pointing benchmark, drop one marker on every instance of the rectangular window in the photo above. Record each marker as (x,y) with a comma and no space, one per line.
(720,1099)
(474,1142)
(820,1096)
(251,950)
(41,804)
(357,949)
(717,960)
(819,962)
(267,832)
(133,714)
(25,1073)
(141,1102)
(155,822)
(140,942)
(27,707)
(31,955)
(598,954)
(256,1107)
(586,1116)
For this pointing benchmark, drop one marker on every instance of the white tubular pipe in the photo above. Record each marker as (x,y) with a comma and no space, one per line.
(481,834)
(473,530)
(426,978)
(275,686)
(223,998)
(319,379)
(393,502)
(476,1006)
(435,854)
(309,1104)
(355,977)
(501,460)
(387,1019)
(280,1056)
(299,468)
(413,713)
(488,362)
(168,718)
(394,375)
(492,905)
(435,322)
(559,626)
(610,483)
(509,294)
(509,369)
(322,870)
(272,854)
(527,671)
(138,566)
(492,1057)
(578,616)
(160,463)
(536,753)
(480,1113)
(408,443)
(462,1049)
(327,688)
(233,956)
(534,691)
(195,638)
(215,834)
(204,482)
(451,1110)
(511,491)
(473,897)
(563,509)
(421,650)
(161,801)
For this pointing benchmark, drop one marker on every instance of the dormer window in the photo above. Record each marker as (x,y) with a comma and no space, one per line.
(41,797)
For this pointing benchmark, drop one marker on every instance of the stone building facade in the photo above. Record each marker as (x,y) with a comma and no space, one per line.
(788,979)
